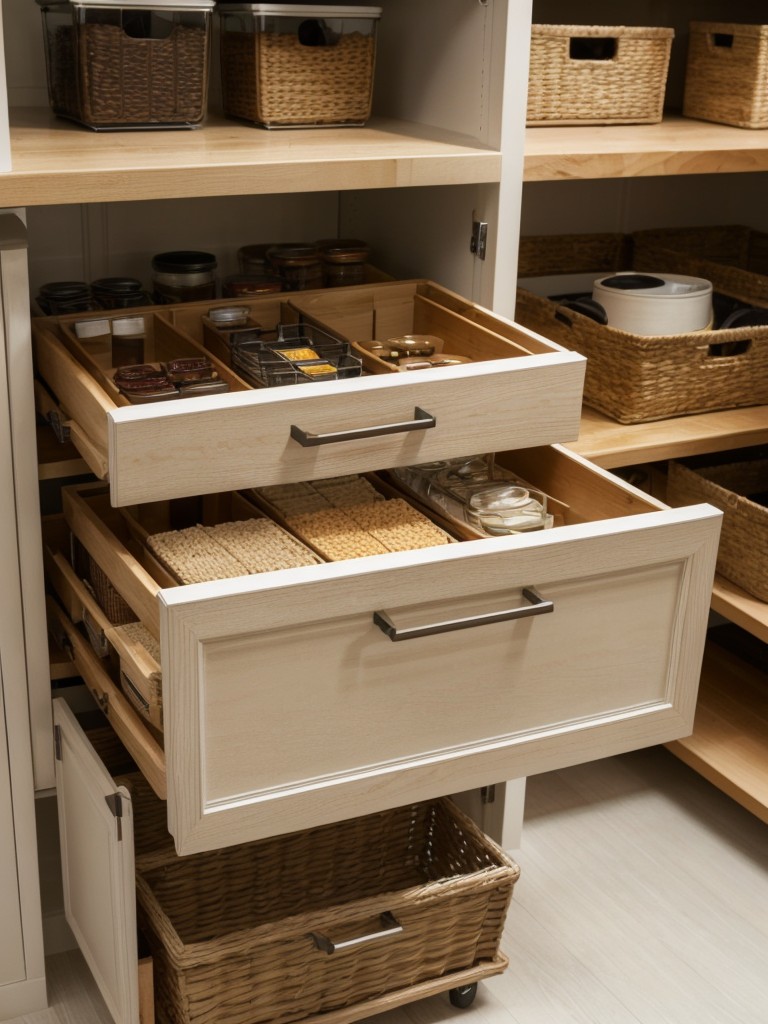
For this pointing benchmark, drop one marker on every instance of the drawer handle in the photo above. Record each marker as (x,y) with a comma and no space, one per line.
(536,606)
(390,928)
(421,421)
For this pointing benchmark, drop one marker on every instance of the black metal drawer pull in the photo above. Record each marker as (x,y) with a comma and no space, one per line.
(536,606)
(421,421)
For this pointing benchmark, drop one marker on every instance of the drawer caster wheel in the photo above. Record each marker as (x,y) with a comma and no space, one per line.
(463,996)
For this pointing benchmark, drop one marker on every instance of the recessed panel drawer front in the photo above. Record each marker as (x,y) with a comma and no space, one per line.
(289,703)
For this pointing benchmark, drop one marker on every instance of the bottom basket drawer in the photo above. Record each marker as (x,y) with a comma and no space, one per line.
(285,928)
(737,484)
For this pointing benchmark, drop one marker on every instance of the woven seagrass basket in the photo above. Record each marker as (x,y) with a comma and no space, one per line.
(112,604)
(635,378)
(582,74)
(731,486)
(240,935)
(733,257)
(726,78)
(103,77)
(272,79)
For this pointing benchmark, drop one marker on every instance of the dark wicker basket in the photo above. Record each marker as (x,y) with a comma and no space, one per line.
(239,935)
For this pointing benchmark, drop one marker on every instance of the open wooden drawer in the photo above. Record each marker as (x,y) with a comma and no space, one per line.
(287,703)
(521,391)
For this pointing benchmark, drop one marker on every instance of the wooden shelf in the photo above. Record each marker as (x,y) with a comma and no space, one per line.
(54,161)
(677,145)
(610,444)
(729,746)
(740,608)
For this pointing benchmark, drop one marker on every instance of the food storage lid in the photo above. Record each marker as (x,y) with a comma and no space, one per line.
(144,5)
(302,10)
(184,262)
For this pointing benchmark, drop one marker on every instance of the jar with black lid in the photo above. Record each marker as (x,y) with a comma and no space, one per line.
(183,276)
(119,293)
(343,261)
(253,259)
(61,297)
(298,266)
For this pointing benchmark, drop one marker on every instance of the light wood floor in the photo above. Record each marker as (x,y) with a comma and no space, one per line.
(643,899)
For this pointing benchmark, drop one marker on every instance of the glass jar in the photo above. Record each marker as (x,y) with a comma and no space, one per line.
(184,276)
(499,510)
(60,297)
(128,340)
(119,293)
(343,261)
(239,286)
(298,266)
(253,259)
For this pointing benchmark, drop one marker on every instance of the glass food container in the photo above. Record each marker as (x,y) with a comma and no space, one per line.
(183,276)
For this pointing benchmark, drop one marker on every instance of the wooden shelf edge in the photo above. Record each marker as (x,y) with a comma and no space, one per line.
(54,161)
(729,744)
(677,145)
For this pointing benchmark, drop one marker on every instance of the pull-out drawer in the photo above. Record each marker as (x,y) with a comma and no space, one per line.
(519,391)
(306,695)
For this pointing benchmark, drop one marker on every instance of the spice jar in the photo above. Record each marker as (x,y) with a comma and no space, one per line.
(253,259)
(343,261)
(184,276)
(241,285)
(298,266)
(127,340)
(119,292)
(58,297)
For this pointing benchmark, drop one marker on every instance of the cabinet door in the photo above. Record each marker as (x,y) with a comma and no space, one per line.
(96,829)
(11,939)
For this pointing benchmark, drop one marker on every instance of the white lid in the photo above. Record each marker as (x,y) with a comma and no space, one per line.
(127,325)
(143,5)
(302,10)
(91,328)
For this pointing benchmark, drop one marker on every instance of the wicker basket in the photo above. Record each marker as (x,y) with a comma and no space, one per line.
(727,483)
(271,78)
(104,77)
(733,257)
(726,78)
(241,935)
(634,378)
(582,74)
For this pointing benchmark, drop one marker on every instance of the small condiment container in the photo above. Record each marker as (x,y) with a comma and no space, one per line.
(119,293)
(184,276)
(59,297)
(229,316)
(298,266)
(415,344)
(95,336)
(343,261)
(240,286)
(128,339)
(502,509)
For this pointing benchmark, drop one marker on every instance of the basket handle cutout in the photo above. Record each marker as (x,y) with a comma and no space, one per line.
(147,24)
(723,39)
(728,349)
(390,928)
(315,32)
(593,47)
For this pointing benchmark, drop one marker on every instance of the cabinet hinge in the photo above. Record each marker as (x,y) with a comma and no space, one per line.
(57,742)
(488,794)
(59,427)
(115,803)
(479,238)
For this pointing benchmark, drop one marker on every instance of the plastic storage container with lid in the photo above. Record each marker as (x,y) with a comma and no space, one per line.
(293,65)
(116,64)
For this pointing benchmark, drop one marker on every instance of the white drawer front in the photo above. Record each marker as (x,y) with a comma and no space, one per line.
(286,705)
(198,446)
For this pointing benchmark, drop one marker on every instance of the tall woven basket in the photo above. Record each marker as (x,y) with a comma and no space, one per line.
(256,932)
(731,486)
(726,78)
(582,74)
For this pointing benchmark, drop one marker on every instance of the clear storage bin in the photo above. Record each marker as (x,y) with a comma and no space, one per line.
(293,65)
(116,64)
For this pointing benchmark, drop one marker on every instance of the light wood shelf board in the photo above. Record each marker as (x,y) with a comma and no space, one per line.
(55,161)
(677,145)
(61,664)
(740,608)
(610,444)
(729,745)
